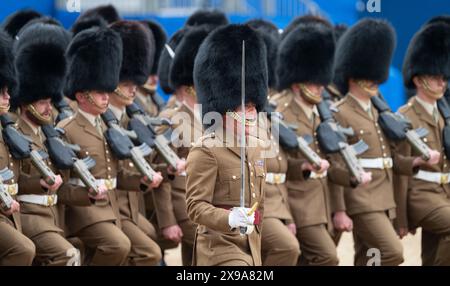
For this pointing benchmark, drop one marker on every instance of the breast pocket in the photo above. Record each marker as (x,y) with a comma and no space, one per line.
(231,181)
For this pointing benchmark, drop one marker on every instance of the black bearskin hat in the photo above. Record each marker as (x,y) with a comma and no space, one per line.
(364,52)
(218,65)
(94,57)
(138,51)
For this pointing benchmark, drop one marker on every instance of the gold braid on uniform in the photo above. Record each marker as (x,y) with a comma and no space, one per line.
(41,119)
(364,85)
(429,90)
(309,95)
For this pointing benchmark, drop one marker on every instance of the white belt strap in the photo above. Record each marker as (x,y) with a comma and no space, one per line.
(110,184)
(275,178)
(376,163)
(433,177)
(12,189)
(42,200)
(315,175)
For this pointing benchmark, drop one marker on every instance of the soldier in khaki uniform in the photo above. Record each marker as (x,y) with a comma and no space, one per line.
(371,207)
(213,181)
(97,226)
(279,246)
(187,127)
(424,199)
(158,204)
(138,50)
(146,94)
(301,81)
(15,248)
(37,87)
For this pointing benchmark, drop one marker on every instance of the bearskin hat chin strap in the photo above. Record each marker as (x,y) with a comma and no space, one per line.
(308,95)
(436,94)
(36,117)
(364,85)
(4,108)
(92,101)
(150,87)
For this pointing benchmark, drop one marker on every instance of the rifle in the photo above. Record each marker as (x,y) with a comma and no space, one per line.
(20,148)
(64,110)
(444,110)
(144,126)
(5,198)
(63,156)
(397,127)
(122,146)
(333,139)
(290,141)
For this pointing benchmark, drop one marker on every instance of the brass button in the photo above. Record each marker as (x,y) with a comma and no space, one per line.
(87,153)
(108,160)
(251,173)
(251,184)
(383,147)
(109,176)
(279,158)
(361,132)
(384,155)
(425,140)
(253,195)
(11,164)
(12,181)
(109,168)
(234,177)
(286,104)
(131,164)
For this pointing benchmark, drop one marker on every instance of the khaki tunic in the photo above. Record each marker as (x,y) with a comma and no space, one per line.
(309,200)
(213,180)
(7,161)
(80,131)
(37,219)
(417,198)
(378,195)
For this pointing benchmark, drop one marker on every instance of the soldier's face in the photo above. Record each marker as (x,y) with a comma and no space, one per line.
(93,102)
(44,107)
(4,100)
(125,94)
(251,115)
(432,86)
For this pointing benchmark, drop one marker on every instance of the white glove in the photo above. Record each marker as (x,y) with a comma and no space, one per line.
(238,217)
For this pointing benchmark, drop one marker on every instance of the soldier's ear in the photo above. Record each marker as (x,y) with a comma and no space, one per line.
(79,96)
(416,81)
(295,88)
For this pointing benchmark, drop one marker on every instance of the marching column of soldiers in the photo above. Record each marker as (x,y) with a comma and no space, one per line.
(96,169)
